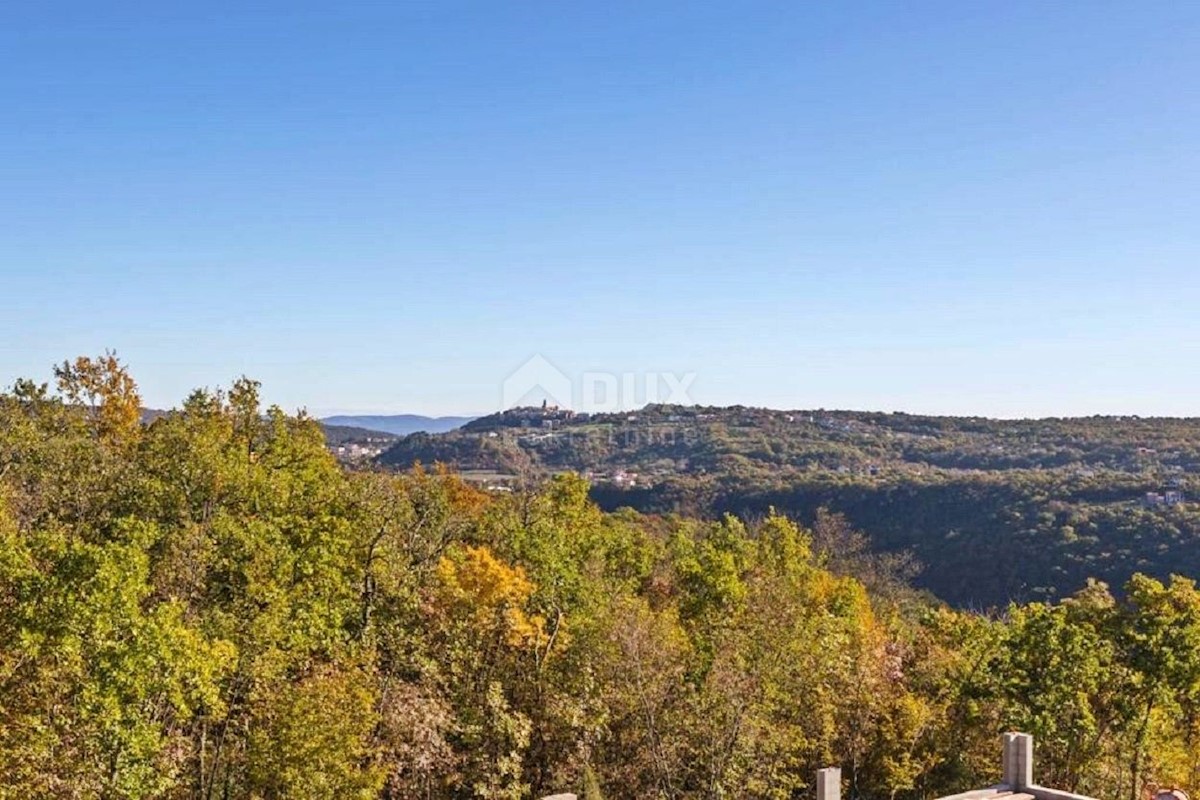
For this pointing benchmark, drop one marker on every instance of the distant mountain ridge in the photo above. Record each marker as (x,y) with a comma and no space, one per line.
(398,424)
(342,429)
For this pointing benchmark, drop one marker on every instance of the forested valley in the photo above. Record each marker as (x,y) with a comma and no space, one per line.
(994,510)
(209,606)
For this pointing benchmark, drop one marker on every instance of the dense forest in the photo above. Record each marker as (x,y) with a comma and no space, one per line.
(208,606)
(995,510)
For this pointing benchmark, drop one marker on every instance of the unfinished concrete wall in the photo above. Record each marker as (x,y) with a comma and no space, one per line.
(829,784)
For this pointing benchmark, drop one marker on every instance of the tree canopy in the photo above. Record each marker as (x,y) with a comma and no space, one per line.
(209,606)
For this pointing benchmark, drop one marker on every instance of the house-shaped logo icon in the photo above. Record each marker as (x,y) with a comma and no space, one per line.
(535,382)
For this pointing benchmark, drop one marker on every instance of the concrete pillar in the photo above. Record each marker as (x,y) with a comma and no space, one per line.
(829,784)
(1007,772)
(1018,760)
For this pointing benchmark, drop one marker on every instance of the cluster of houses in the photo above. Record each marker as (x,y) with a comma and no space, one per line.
(620,477)
(1171,497)
(545,416)
(358,451)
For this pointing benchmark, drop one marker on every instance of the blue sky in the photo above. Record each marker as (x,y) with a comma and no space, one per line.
(943,207)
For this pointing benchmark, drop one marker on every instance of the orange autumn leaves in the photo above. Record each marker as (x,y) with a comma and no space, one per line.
(490,596)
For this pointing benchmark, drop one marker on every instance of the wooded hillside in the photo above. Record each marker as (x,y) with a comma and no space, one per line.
(995,510)
(208,606)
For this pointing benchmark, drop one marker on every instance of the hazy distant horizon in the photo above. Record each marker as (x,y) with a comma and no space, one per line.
(319,414)
(952,407)
(350,412)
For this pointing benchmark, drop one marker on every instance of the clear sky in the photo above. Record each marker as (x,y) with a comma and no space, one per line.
(964,207)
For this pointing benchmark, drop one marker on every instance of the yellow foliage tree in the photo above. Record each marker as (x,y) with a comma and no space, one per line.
(474,585)
(106,390)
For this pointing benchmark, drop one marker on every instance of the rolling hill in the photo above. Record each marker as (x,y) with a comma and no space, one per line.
(996,510)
